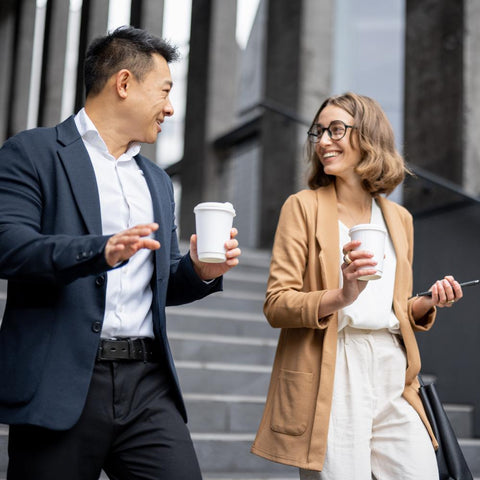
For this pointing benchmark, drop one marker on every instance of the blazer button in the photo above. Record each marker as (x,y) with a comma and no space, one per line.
(100,280)
(96,326)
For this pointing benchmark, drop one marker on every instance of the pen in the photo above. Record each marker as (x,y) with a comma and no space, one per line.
(464,284)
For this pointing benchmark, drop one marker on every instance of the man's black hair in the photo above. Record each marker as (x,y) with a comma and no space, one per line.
(126,47)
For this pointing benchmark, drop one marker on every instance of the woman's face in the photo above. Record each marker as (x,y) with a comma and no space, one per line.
(338,157)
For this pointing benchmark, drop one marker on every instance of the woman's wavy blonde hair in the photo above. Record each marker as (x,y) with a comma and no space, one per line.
(381,167)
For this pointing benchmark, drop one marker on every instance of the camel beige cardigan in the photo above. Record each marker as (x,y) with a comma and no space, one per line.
(304,265)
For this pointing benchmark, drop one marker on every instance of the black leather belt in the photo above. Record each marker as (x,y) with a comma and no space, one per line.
(142,349)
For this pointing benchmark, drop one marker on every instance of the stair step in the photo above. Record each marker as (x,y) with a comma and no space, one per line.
(245,281)
(3,297)
(233,300)
(220,453)
(209,413)
(461,417)
(222,322)
(471,450)
(248,476)
(222,348)
(221,378)
(3,449)
(250,257)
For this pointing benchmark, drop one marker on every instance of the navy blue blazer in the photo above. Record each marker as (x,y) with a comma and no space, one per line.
(52,254)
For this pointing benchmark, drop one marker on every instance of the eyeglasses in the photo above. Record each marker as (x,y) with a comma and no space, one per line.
(336,131)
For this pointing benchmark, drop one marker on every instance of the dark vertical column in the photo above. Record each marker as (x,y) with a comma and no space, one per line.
(435,139)
(278,136)
(54,63)
(7,37)
(148,14)
(136,13)
(94,24)
(194,160)
(22,66)
(434,116)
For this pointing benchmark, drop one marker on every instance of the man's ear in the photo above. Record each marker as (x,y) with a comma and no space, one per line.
(123,79)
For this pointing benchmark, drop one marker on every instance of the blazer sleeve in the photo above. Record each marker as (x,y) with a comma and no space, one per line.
(25,252)
(288,302)
(427,321)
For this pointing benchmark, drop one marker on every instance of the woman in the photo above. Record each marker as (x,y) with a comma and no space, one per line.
(343,397)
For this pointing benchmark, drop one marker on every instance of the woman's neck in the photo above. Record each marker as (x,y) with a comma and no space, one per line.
(354,204)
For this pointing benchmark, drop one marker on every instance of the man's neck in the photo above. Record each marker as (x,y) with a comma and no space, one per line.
(106,125)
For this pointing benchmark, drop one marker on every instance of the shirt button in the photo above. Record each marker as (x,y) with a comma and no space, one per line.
(96,327)
(100,280)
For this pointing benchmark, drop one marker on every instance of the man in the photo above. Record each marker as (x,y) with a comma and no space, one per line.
(89,247)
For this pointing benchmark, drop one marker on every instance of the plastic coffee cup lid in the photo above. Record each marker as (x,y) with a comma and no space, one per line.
(227,206)
(367,226)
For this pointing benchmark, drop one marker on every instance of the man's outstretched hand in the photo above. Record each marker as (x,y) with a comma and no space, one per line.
(124,245)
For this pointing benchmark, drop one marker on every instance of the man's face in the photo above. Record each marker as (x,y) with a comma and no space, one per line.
(149,102)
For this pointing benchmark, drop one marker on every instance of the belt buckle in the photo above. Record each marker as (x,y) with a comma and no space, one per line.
(126,348)
(114,350)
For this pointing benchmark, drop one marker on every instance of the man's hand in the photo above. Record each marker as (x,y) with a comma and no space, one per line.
(124,245)
(209,271)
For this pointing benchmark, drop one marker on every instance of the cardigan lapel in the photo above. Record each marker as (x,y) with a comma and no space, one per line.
(327,236)
(397,235)
(80,173)
(401,290)
(394,226)
(396,231)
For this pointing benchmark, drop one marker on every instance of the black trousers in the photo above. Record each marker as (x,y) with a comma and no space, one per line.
(130,428)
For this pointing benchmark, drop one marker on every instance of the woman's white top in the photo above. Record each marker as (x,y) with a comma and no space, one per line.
(373,309)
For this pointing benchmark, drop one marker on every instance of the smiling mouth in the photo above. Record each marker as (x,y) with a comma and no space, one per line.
(331,154)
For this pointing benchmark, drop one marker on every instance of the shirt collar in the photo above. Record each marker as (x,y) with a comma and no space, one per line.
(90,134)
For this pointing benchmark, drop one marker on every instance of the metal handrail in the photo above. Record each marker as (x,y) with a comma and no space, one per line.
(442,182)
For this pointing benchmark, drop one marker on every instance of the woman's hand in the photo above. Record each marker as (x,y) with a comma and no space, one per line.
(445,293)
(356,264)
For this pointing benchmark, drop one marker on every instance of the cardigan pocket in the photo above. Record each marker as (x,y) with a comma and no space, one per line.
(290,405)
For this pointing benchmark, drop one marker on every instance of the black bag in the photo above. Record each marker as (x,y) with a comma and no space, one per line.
(450,459)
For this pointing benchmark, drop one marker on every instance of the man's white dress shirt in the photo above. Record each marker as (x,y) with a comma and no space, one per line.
(125,201)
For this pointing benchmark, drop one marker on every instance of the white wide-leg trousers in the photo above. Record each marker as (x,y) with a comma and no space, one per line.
(374,432)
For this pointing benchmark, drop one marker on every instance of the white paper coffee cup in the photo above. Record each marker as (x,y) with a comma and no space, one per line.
(213,222)
(373,239)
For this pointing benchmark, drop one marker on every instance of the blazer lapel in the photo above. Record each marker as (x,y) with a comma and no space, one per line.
(158,201)
(81,175)
(328,236)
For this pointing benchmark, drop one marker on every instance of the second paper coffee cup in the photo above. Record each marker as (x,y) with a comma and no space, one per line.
(213,222)
(373,239)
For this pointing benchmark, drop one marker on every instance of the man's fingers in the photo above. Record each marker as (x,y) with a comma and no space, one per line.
(124,245)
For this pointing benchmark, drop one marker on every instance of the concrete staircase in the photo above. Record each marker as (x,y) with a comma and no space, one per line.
(224,349)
